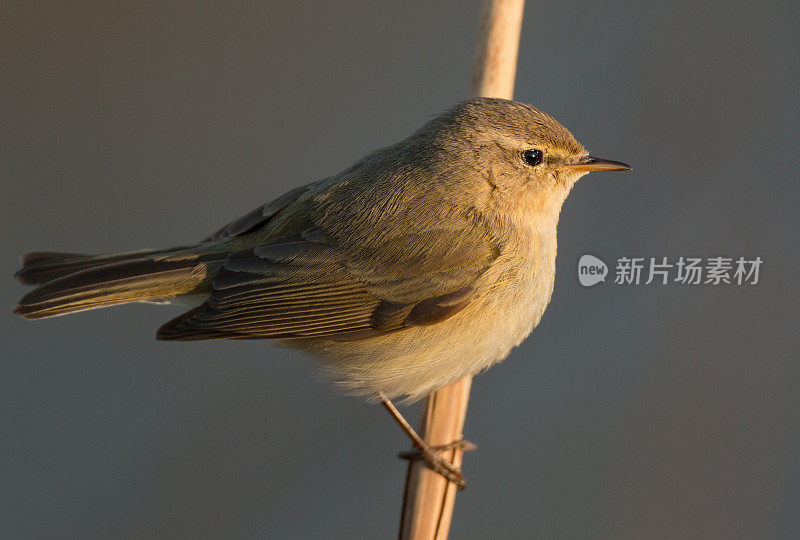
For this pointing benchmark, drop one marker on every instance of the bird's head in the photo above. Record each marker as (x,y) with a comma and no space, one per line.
(510,157)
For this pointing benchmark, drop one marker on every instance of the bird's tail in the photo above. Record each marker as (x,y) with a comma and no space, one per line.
(73,282)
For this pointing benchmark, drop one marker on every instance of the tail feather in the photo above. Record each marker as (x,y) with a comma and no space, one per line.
(127,280)
(44,266)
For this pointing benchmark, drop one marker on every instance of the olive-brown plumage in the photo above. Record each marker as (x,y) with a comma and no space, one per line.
(424,262)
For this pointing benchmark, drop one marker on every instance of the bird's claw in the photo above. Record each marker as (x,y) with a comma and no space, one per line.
(432,457)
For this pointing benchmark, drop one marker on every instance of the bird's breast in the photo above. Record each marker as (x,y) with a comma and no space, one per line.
(521,286)
(511,298)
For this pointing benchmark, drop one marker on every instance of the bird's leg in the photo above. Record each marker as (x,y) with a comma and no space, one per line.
(430,454)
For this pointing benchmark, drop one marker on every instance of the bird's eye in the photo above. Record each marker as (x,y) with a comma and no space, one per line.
(532,157)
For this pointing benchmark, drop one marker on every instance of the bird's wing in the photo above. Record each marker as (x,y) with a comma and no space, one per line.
(261,215)
(306,285)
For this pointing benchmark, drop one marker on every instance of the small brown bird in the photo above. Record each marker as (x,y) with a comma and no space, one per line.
(423,263)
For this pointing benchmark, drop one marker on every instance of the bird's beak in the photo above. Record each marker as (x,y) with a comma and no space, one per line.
(590,163)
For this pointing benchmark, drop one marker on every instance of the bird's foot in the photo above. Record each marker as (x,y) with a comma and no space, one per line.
(432,457)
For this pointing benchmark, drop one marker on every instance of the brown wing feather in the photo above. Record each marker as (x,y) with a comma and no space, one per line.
(300,287)
(260,216)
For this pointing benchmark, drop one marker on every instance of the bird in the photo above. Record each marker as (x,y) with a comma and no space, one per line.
(425,262)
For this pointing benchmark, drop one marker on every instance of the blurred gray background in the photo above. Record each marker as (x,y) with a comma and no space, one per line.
(632,412)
